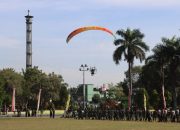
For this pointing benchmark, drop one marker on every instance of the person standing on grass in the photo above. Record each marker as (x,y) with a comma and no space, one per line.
(51,109)
(177,115)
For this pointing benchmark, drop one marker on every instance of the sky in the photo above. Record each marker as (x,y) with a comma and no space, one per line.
(55,19)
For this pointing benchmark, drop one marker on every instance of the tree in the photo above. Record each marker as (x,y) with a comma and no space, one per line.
(28,86)
(168,96)
(135,76)
(131,46)
(173,57)
(55,83)
(96,98)
(33,82)
(166,57)
(63,95)
(178,97)
(154,99)
(139,98)
(150,78)
(2,92)
(9,79)
(115,92)
(159,59)
(52,85)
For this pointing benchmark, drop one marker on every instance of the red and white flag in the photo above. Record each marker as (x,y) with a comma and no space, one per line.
(13,100)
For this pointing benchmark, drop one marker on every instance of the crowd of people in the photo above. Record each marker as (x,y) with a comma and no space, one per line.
(122,114)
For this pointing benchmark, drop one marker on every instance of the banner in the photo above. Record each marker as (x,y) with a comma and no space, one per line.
(68,102)
(145,100)
(39,98)
(129,100)
(13,100)
(164,100)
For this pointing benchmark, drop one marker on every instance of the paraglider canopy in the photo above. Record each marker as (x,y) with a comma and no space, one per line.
(82,29)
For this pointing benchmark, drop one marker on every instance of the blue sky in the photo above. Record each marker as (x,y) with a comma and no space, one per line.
(55,19)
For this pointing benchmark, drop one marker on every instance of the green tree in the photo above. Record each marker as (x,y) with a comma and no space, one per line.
(52,85)
(135,73)
(168,96)
(166,57)
(154,99)
(116,92)
(139,100)
(63,95)
(9,79)
(150,77)
(131,46)
(178,97)
(96,98)
(173,56)
(159,59)
(2,93)
(33,82)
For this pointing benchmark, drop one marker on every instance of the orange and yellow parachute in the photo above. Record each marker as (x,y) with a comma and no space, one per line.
(82,29)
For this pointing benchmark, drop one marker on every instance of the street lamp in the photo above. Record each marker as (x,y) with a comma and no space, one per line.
(83,68)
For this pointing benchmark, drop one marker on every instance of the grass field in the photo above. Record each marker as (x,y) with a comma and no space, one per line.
(71,124)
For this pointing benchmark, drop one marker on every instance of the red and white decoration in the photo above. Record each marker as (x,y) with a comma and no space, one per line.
(104,88)
(13,100)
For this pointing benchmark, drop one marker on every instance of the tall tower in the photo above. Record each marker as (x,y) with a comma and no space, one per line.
(28,40)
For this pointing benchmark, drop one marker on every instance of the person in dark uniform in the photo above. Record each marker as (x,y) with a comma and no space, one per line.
(51,109)
(154,115)
(177,115)
(27,114)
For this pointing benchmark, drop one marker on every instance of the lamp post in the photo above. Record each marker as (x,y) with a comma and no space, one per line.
(92,70)
(84,68)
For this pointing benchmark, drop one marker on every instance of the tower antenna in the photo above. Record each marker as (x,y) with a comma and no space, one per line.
(28,40)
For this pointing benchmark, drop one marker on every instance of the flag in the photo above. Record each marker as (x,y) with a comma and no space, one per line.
(145,100)
(39,98)
(164,100)
(68,102)
(129,99)
(13,100)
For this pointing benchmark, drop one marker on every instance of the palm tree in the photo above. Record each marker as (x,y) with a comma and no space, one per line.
(131,46)
(173,50)
(159,59)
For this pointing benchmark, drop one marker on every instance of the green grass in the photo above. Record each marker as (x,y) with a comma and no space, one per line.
(72,124)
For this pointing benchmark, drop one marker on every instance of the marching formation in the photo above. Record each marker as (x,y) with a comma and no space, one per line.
(122,114)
